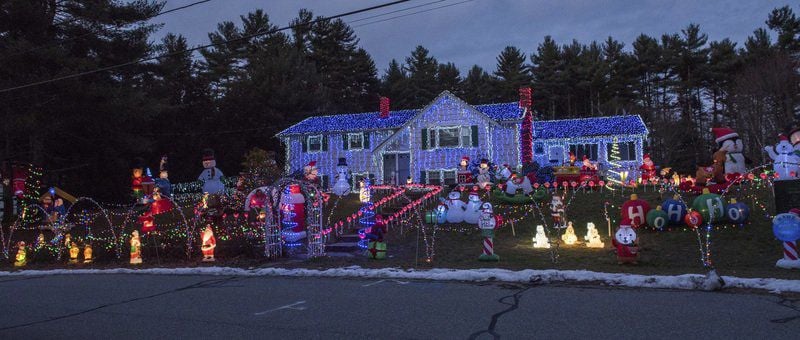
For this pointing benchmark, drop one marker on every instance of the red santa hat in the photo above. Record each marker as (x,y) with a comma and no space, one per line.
(505,165)
(208,155)
(311,165)
(625,223)
(782,138)
(722,134)
(585,157)
(465,159)
(646,156)
(795,211)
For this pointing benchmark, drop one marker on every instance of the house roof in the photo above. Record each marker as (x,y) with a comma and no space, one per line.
(590,127)
(373,121)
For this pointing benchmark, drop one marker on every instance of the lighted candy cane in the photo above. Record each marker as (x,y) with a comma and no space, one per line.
(488,246)
(789,251)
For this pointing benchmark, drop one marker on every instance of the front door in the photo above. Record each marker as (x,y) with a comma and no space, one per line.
(396,168)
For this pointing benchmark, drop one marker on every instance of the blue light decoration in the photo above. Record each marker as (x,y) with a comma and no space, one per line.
(499,134)
(675,209)
(367,220)
(288,223)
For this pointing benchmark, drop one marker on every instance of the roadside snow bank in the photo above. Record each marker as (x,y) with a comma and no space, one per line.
(685,281)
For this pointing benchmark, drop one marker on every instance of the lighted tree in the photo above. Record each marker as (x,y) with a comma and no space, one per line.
(33,186)
(614,167)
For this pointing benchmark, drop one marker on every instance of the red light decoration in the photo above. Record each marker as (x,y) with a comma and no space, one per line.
(526,135)
(384,107)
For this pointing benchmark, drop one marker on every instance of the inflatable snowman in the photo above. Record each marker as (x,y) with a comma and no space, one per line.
(484,178)
(518,183)
(785,161)
(728,141)
(473,208)
(455,208)
(211,176)
(342,187)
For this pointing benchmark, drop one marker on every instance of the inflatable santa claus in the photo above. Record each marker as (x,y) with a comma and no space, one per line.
(648,168)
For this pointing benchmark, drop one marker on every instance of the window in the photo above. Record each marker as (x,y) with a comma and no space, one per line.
(441,177)
(627,151)
(580,150)
(355,141)
(314,143)
(450,137)
(538,148)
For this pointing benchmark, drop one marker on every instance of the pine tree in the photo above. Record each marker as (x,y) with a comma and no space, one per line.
(449,78)
(477,86)
(547,66)
(393,82)
(421,86)
(512,73)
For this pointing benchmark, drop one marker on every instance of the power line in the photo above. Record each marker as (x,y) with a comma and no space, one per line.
(409,14)
(94,32)
(395,11)
(108,68)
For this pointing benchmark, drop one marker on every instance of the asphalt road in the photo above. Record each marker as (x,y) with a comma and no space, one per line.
(221,307)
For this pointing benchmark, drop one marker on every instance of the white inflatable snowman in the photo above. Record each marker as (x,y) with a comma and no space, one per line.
(473,208)
(342,187)
(211,176)
(484,179)
(728,140)
(785,161)
(455,207)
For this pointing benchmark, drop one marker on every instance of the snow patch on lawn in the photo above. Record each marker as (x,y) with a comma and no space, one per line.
(685,281)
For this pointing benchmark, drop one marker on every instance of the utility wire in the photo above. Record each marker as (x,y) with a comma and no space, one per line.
(395,11)
(409,14)
(108,68)
(94,32)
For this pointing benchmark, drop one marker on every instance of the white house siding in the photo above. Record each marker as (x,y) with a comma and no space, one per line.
(505,144)
(602,153)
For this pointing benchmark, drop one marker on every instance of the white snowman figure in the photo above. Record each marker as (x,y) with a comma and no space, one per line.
(540,239)
(517,182)
(785,161)
(728,140)
(342,187)
(484,179)
(473,208)
(505,173)
(593,237)
(211,176)
(455,207)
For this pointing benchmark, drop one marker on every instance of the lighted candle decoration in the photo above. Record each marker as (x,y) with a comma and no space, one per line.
(569,236)
(593,237)
(540,240)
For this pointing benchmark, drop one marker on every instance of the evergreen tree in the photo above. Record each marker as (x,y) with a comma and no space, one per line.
(787,25)
(393,82)
(449,78)
(512,73)
(547,66)
(421,85)
(477,86)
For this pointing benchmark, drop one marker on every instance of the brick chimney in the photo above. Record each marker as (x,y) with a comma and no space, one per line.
(526,132)
(384,113)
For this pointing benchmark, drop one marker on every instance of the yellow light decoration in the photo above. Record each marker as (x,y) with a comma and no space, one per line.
(569,236)
(593,237)
(540,240)
(74,251)
(209,243)
(136,248)
(22,256)
(87,253)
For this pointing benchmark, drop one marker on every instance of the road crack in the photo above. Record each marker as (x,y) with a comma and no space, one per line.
(512,301)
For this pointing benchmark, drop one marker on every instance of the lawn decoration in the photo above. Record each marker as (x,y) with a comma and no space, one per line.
(484,178)
(737,212)
(540,239)
(472,211)
(675,209)
(209,244)
(785,161)
(487,225)
(376,248)
(22,255)
(162,182)
(712,174)
(569,236)
(464,175)
(592,237)
(729,141)
(342,186)
(786,227)
(625,243)
(693,219)
(657,218)
(648,168)
(455,207)
(136,248)
(710,206)
(87,253)
(557,211)
(74,251)
(635,210)
(211,175)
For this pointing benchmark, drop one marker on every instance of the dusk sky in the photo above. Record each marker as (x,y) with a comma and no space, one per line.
(474,32)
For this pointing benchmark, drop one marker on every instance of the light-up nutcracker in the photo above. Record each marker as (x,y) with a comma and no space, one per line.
(487,224)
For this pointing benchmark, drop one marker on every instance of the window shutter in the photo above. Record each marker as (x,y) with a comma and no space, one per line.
(304,141)
(366,140)
(474,135)
(423,177)
(325,143)
(424,141)
(344,142)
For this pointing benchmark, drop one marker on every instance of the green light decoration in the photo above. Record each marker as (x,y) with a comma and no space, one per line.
(615,171)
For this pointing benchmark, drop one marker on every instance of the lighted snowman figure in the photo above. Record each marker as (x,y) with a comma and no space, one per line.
(625,243)
(569,236)
(484,179)
(593,237)
(785,161)
(342,187)
(455,207)
(211,175)
(506,172)
(540,239)
(473,209)
(441,213)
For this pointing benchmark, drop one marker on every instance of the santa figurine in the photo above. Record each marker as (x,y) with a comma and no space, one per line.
(625,243)
(209,243)
(311,172)
(557,211)
(464,175)
(587,164)
(136,248)
(728,141)
(648,168)
(138,178)
(211,175)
